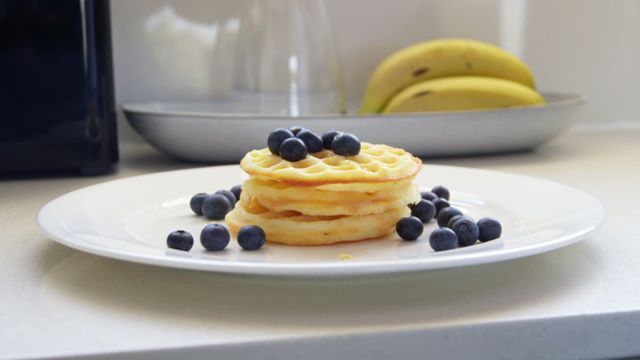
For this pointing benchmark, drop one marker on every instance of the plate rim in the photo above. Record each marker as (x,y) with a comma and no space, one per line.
(331,269)
(145,108)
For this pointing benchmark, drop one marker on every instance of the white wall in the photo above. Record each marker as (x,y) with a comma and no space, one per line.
(585,46)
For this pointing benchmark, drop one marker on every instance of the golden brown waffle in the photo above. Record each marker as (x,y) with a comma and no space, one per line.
(375,163)
(279,197)
(294,228)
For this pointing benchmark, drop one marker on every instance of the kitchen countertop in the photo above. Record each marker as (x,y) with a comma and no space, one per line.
(582,301)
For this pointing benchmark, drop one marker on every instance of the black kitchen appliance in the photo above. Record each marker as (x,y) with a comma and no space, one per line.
(57,109)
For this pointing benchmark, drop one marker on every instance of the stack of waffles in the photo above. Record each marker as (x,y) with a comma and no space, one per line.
(326,198)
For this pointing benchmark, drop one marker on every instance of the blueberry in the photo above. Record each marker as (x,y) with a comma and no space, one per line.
(293,149)
(428,195)
(446,214)
(443,239)
(196,203)
(490,229)
(296,129)
(237,190)
(229,195)
(441,191)
(216,206)
(311,139)
(455,218)
(345,144)
(251,237)
(440,204)
(467,231)
(423,210)
(180,240)
(409,228)
(214,237)
(275,139)
(327,138)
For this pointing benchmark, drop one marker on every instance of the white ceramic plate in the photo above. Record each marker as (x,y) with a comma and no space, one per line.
(218,132)
(129,219)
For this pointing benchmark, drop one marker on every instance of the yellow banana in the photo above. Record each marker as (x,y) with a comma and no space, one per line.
(440,58)
(462,93)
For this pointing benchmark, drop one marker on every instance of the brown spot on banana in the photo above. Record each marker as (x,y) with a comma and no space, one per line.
(468,65)
(421,71)
(421,93)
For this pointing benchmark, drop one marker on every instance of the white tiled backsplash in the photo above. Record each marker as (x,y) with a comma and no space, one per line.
(584,46)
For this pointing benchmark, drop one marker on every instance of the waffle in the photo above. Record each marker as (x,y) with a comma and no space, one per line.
(294,228)
(375,163)
(279,197)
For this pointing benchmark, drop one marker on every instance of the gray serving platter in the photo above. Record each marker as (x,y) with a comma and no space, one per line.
(212,132)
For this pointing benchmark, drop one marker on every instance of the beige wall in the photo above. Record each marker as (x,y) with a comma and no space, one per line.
(585,46)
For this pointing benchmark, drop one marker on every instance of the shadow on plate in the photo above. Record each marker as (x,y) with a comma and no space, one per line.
(444,296)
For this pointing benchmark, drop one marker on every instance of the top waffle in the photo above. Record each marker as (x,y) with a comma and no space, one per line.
(374,163)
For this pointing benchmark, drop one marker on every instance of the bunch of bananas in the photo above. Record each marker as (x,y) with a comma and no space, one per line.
(449,74)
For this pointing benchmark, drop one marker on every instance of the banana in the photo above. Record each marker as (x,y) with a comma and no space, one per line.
(440,58)
(462,93)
